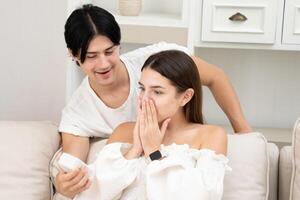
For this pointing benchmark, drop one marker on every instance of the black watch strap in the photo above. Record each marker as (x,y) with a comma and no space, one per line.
(156,155)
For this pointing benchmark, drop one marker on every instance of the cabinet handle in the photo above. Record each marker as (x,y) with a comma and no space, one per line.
(238,17)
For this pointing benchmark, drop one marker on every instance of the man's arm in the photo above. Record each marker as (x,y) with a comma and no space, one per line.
(75,145)
(74,182)
(218,83)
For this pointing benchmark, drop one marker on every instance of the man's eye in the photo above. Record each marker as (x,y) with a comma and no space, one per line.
(108,52)
(158,92)
(91,56)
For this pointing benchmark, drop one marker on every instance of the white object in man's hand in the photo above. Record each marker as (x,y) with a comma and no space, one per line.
(68,163)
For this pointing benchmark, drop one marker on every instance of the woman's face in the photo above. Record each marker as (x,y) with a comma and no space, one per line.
(101,60)
(158,88)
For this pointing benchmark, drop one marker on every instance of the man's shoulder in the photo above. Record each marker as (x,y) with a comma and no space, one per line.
(80,95)
(153,48)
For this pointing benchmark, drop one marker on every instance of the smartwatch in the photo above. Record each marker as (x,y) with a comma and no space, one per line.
(156,155)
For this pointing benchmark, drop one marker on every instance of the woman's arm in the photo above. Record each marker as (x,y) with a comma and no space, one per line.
(218,83)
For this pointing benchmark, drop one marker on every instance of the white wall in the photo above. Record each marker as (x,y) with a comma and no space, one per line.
(267,83)
(33,59)
(33,70)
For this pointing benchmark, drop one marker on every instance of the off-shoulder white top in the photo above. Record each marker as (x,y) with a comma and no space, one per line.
(185,173)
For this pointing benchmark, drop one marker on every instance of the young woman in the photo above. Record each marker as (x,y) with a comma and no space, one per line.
(107,96)
(168,153)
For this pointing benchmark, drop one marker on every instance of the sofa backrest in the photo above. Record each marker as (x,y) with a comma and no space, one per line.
(248,158)
(26,149)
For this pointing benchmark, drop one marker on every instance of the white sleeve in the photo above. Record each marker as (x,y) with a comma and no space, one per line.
(138,57)
(172,178)
(161,46)
(146,51)
(113,173)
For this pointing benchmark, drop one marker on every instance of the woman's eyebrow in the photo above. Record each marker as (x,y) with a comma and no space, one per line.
(140,83)
(152,86)
(157,86)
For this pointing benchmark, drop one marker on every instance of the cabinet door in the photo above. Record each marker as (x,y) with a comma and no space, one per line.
(247,21)
(291,26)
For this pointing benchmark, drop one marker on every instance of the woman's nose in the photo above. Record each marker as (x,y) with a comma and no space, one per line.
(145,96)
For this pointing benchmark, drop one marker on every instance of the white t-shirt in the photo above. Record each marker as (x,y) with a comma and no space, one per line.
(184,173)
(86,114)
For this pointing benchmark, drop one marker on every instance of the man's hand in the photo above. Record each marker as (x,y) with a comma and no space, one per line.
(72,183)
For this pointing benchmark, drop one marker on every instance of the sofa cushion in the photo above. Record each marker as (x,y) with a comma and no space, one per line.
(26,149)
(248,158)
(295,181)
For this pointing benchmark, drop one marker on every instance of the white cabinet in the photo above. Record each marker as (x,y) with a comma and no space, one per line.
(248,24)
(247,21)
(291,26)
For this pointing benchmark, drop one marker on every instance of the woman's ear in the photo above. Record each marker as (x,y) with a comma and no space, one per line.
(187,96)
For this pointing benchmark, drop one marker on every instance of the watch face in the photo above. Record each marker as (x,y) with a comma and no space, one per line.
(156,155)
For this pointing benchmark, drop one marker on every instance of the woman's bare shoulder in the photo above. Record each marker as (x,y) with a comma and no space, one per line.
(213,137)
(122,133)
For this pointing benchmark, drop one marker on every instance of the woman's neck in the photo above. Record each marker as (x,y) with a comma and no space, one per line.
(178,122)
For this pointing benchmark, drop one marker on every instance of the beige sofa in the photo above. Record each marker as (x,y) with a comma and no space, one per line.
(259,171)
(289,167)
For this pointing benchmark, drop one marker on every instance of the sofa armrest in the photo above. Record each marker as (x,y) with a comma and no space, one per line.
(273,152)
(285,172)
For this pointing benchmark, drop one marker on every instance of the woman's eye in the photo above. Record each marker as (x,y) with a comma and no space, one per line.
(157,92)
(141,88)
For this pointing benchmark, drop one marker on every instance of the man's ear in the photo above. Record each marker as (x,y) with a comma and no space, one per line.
(74,58)
(187,96)
(70,53)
